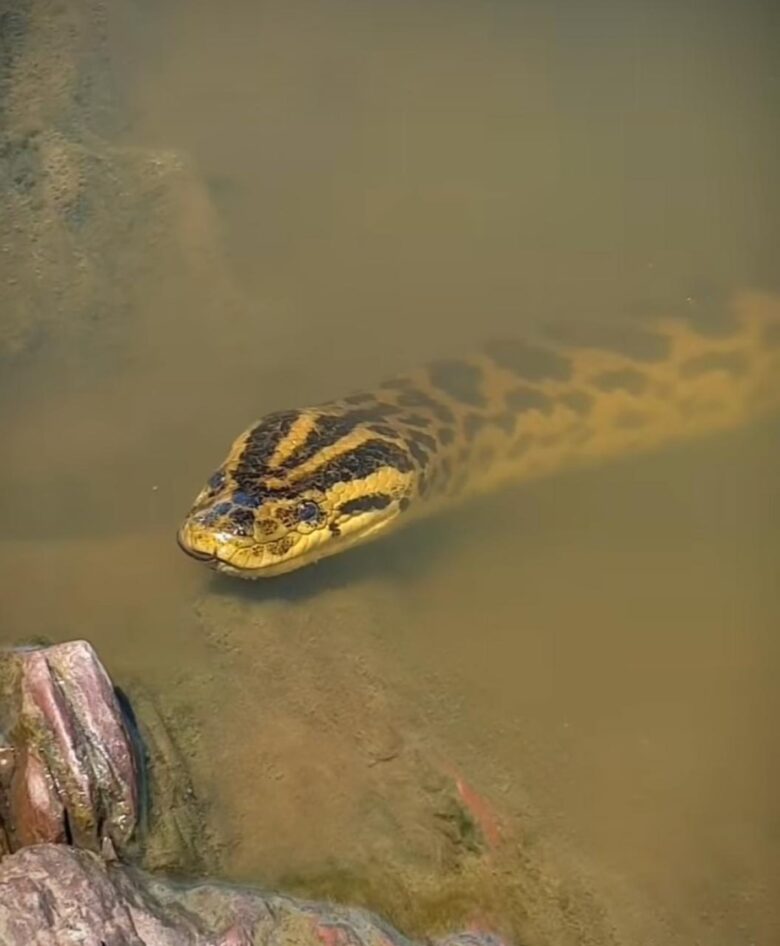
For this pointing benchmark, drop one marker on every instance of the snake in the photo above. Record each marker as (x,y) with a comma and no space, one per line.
(302,484)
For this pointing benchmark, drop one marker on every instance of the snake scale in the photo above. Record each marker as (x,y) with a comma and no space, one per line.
(306,483)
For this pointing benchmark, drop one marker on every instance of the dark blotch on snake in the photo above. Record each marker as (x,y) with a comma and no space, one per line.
(411,397)
(213,515)
(734,363)
(365,503)
(631,340)
(262,442)
(362,397)
(472,424)
(526,399)
(243,521)
(361,461)
(329,429)
(280,546)
(242,498)
(528,361)
(459,380)
(384,430)
(414,420)
(419,452)
(216,481)
(442,413)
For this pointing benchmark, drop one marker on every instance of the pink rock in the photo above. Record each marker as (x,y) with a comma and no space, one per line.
(38,811)
(70,772)
(53,895)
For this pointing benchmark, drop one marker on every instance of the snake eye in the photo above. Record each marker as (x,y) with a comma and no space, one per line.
(308,512)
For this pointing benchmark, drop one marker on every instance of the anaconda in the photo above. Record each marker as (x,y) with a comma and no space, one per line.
(306,483)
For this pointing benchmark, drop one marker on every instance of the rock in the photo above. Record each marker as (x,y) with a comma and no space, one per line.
(53,895)
(92,231)
(87,764)
(71,772)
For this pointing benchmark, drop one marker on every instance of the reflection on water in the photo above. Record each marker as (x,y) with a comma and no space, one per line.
(392,182)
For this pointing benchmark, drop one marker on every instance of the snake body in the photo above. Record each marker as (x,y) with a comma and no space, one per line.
(302,484)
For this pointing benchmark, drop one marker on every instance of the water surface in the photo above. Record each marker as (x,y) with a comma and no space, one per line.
(391,182)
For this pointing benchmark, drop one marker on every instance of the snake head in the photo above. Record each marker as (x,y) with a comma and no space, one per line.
(265,532)
(296,487)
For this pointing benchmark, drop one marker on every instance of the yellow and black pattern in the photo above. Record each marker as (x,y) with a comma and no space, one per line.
(303,484)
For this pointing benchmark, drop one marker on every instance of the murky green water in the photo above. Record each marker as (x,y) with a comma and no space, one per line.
(598,653)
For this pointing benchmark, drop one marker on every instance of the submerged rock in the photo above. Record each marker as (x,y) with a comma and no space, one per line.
(54,895)
(92,230)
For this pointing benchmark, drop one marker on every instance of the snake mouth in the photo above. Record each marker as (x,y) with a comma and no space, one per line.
(194,553)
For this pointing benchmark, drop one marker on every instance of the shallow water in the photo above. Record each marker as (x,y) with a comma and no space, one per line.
(598,651)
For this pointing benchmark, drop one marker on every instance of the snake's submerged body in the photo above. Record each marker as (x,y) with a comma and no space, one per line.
(303,484)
